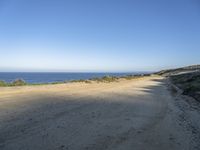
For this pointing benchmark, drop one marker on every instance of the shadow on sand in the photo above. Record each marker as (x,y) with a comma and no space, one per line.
(87,122)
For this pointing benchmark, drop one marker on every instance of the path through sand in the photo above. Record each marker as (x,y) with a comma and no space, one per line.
(134,114)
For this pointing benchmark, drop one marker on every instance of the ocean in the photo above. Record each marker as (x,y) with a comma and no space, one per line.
(50,77)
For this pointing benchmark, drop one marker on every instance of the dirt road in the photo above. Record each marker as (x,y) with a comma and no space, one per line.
(138,114)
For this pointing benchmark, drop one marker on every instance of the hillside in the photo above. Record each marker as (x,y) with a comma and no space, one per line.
(188,69)
(186,78)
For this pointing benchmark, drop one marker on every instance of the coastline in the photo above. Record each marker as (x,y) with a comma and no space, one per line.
(22,82)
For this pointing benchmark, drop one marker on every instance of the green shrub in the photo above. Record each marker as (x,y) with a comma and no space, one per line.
(18,82)
(81,80)
(95,79)
(109,78)
(129,77)
(105,79)
(3,83)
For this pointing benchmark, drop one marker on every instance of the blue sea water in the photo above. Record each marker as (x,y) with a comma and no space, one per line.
(54,77)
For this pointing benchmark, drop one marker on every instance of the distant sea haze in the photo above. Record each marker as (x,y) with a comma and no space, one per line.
(31,77)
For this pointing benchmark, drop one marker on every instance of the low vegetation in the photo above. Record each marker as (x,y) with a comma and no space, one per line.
(17,82)
(130,77)
(189,83)
(3,83)
(169,72)
(102,79)
(186,78)
(106,79)
(81,80)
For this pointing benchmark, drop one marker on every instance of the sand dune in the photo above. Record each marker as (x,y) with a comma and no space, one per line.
(134,114)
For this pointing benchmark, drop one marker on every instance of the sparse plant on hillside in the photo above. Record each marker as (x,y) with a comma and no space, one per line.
(3,83)
(18,82)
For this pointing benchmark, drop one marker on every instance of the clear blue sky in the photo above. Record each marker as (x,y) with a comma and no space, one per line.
(98,35)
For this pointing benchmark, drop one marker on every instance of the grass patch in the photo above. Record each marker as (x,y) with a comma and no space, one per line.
(105,79)
(102,79)
(81,80)
(3,83)
(130,77)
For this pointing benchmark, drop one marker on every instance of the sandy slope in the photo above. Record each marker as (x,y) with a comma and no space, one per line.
(136,114)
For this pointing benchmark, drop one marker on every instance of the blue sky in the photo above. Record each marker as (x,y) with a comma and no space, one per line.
(98,35)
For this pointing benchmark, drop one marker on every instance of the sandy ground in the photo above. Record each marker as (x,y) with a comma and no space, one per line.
(139,114)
